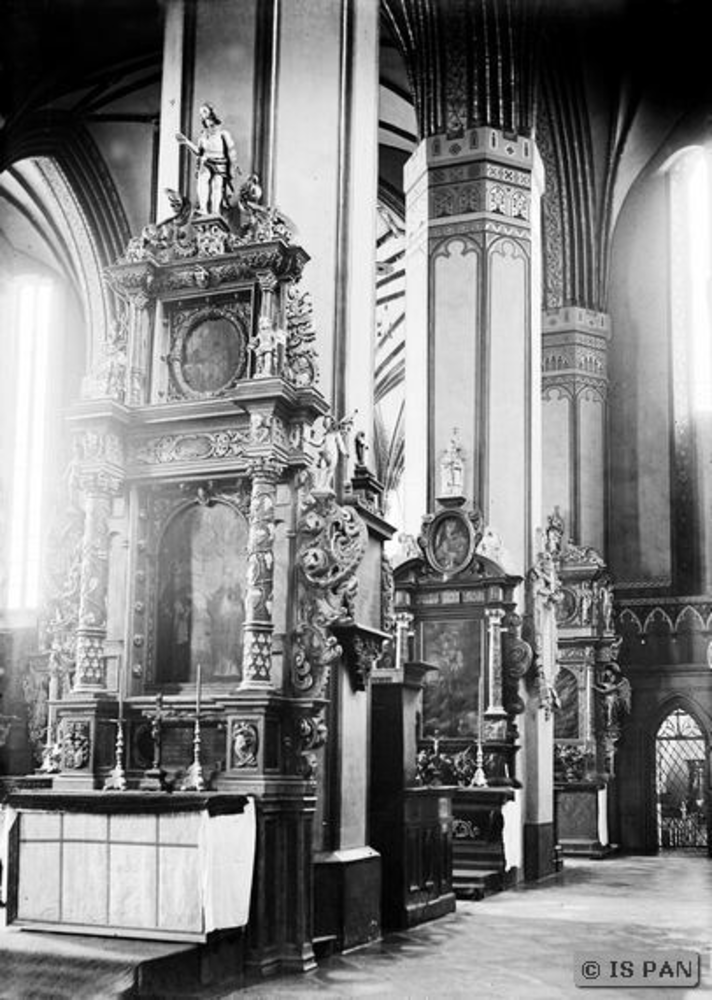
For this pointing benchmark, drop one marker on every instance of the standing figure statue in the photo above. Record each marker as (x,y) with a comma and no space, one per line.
(452,468)
(330,445)
(217,162)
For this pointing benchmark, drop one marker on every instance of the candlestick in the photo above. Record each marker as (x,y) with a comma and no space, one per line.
(116,781)
(480,703)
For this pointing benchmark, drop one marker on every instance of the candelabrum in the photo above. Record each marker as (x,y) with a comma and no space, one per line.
(479,778)
(194,780)
(116,781)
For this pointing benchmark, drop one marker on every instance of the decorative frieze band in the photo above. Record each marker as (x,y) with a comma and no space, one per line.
(575,351)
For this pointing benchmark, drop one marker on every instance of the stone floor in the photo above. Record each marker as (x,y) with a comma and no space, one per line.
(518,944)
(521,943)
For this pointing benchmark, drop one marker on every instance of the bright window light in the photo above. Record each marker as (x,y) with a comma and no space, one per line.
(700,263)
(31,311)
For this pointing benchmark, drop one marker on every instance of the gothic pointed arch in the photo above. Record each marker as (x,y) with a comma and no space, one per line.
(56,180)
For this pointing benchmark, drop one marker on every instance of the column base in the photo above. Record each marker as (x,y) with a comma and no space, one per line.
(347,897)
(539,851)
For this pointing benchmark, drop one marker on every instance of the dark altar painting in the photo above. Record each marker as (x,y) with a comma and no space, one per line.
(566,717)
(213,355)
(450,695)
(201,571)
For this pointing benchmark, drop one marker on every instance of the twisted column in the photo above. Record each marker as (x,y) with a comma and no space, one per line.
(90,674)
(258,627)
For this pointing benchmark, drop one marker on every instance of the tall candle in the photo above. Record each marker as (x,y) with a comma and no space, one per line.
(121,705)
(480,702)
(197,689)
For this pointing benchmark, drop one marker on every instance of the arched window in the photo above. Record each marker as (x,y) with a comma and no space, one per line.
(690,174)
(29,304)
(680,760)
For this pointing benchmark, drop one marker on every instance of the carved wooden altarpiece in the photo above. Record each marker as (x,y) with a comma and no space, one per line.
(215,568)
(591,694)
(465,624)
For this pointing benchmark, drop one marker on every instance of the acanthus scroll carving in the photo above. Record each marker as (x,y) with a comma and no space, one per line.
(332,544)
(75,743)
(108,378)
(301,365)
(307,733)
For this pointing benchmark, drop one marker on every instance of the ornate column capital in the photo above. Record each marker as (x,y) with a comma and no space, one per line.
(99,481)
(575,351)
(265,468)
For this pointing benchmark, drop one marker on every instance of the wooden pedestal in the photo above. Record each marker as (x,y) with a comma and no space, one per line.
(479,862)
(581,818)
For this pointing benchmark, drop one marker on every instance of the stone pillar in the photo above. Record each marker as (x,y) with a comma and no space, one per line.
(258,628)
(89,677)
(328,182)
(472,344)
(574,418)
(176,41)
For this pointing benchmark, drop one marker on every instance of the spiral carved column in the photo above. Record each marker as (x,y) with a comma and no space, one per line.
(258,628)
(90,675)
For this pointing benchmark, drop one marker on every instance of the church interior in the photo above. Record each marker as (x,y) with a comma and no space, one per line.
(355,462)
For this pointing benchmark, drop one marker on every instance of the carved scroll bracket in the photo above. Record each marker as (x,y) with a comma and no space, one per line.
(306,733)
(332,542)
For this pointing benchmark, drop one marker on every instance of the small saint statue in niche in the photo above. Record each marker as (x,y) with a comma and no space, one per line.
(330,445)
(554,534)
(361,447)
(217,162)
(452,468)
(265,346)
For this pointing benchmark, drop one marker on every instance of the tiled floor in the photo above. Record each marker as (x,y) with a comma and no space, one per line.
(521,944)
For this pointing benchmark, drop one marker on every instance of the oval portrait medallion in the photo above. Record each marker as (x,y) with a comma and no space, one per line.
(451,542)
(213,355)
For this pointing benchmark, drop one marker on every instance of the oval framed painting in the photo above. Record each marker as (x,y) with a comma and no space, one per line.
(210,354)
(451,542)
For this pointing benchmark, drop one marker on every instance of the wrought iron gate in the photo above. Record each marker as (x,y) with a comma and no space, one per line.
(680,756)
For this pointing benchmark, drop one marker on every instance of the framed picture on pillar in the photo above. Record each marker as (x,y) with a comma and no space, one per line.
(450,542)
(450,695)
